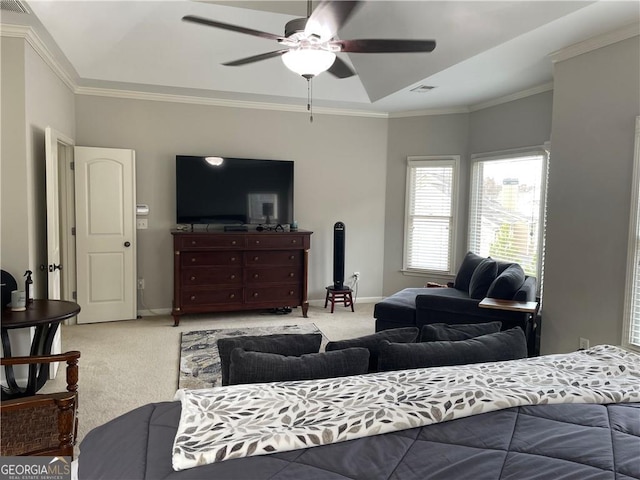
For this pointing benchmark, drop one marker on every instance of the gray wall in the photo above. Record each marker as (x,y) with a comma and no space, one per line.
(520,123)
(339,176)
(596,100)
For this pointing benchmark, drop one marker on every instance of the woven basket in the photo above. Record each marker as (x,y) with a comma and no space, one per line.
(29,430)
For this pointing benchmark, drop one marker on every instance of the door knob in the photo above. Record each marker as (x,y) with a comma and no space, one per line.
(127,244)
(53,267)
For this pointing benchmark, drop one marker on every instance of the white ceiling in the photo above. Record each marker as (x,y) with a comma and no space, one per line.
(485,49)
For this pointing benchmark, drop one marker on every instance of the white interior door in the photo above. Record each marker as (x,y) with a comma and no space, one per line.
(54,143)
(105,233)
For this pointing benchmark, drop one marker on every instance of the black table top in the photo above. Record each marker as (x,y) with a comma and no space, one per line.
(39,312)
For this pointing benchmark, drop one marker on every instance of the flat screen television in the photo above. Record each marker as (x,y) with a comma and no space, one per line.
(228,191)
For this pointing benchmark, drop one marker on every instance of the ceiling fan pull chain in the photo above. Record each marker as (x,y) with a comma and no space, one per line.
(310,99)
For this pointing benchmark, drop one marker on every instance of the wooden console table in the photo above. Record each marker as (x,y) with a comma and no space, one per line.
(45,316)
(227,271)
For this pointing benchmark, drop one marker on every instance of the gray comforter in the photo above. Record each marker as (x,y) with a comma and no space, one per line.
(580,441)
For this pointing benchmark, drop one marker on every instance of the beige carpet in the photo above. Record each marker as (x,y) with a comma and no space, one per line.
(130,363)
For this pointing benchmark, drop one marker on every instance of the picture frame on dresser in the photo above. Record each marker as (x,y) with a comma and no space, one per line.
(217,271)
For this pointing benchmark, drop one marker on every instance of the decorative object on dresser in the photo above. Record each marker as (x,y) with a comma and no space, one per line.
(229,271)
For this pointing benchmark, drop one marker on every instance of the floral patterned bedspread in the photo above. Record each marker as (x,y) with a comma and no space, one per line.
(243,420)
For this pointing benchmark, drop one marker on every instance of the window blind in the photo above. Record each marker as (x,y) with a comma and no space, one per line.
(430,211)
(631,335)
(507,208)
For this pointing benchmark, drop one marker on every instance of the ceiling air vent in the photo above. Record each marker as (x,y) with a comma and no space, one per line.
(13,6)
(423,88)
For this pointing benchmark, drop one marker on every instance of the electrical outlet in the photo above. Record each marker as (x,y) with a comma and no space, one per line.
(584,343)
(356,275)
(141,284)
(142,223)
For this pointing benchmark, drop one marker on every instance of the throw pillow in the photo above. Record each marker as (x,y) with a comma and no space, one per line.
(507,283)
(469,263)
(257,367)
(372,342)
(284,344)
(437,332)
(494,347)
(482,278)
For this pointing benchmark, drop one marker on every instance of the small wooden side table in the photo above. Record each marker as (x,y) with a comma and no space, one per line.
(343,295)
(528,308)
(45,316)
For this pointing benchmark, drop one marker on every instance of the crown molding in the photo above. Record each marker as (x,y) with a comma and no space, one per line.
(594,43)
(428,112)
(513,96)
(219,102)
(27,33)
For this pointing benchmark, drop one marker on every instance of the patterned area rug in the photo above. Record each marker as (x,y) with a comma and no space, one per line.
(199,358)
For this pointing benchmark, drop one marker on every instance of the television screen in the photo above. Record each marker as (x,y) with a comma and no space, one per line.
(223,190)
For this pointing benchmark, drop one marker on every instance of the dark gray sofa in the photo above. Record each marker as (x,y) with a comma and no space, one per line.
(455,304)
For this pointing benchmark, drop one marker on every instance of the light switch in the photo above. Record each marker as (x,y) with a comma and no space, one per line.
(141,223)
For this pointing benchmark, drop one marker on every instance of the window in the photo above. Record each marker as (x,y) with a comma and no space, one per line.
(430,214)
(631,330)
(507,211)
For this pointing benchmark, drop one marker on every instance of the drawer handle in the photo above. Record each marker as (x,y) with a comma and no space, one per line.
(255,259)
(193,278)
(294,241)
(193,242)
(193,297)
(255,294)
(232,277)
(233,242)
(290,292)
(291,274)
(257,242)
(232,295)
(292,257)
(255,275)
(193,259)
(233,259)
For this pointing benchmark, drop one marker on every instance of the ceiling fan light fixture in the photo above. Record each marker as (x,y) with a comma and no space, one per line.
(308,62)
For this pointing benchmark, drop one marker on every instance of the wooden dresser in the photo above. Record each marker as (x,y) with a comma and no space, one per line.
(227,271)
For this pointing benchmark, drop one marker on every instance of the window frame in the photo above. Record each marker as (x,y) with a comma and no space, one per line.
(415,161)
(539,150)
(631,316)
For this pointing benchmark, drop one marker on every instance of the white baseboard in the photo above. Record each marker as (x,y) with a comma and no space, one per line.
(154,312)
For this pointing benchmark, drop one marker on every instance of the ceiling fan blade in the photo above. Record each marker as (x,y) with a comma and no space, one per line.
(233,28)
(329,17)
(385,45)
(256,58)
(340,69)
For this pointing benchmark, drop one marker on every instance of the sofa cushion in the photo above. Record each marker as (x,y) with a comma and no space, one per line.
(372,342)
(283,344)
(469,264)
(258,367)
(437,332)
(494,347)
(482,278)
(507,283)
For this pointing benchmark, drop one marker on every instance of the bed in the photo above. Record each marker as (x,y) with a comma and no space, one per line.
(558,416)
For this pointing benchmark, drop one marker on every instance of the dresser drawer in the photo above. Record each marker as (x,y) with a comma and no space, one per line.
(278,257)
(211,276)
(210,241)
(259,275)
(289,295)
(210,296)
(192,259)
(274,240)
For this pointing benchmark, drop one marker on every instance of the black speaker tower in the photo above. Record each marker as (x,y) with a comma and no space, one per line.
(338,256)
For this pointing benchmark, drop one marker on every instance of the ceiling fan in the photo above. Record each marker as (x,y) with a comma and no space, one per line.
(310,44)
